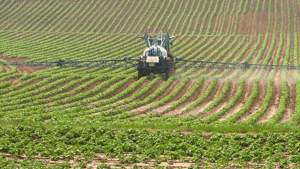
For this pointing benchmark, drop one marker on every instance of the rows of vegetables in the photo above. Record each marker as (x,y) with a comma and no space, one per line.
(133,146)
(68,113)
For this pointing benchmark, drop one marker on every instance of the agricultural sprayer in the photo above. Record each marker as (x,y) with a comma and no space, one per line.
(156,58)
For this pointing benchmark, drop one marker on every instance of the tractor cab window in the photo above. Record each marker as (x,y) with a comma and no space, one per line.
(154,41)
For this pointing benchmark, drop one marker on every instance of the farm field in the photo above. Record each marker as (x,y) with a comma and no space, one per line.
(66,117)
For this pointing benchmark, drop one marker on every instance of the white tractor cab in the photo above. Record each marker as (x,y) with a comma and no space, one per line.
(157,58)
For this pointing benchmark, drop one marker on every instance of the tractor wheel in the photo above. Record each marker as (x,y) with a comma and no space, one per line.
(170,70)
(140,73)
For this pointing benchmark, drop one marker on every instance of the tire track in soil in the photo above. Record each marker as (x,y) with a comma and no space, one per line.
(247,89)
(246,23)
(22,69)
(297,11)
(277,86)
(214,21)
(223,101)
(143,109)
(232,25)
(226,22)
(274,103)
(180,108)
(6,69)
(291,101)
(30,69)
(196,28)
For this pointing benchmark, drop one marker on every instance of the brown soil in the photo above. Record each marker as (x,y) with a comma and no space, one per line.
(181,22)
(247,89)
(75,16)
(6,69)
(22,69)
(32,83)
(29,18)
(90,87)
(221,18)
(101,158)
(24,8)
(262,88)
(125,86)
(273,105)
(14,81)
(83,18)
(215,92)
(169,13)
(223,102)
(152,90)
(291,101)
(142,109)
(162,110)
(138,89)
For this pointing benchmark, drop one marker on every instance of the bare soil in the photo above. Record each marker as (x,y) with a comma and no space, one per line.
(142,109)
(223,102)
(22,69)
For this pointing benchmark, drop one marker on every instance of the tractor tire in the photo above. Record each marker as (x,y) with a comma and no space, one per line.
(140,73)
(170,70)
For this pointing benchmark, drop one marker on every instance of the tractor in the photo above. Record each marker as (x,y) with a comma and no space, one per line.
(157,57)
